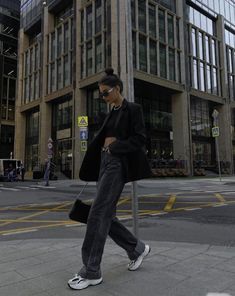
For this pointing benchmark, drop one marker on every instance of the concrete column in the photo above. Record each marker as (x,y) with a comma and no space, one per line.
(122,51)
(225,138)
(45,108)
(181,142)
(20,118)
(80,107)
(115,35)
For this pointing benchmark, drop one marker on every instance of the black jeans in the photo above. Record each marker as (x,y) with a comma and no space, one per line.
(102,219)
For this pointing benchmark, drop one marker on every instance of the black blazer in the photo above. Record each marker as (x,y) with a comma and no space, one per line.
(130,146)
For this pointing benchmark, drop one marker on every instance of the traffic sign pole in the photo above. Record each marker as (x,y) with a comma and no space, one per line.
(215,134)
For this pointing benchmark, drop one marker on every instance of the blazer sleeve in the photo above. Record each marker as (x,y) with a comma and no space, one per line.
(137,138)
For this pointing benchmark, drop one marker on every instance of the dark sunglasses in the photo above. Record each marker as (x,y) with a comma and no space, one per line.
(105,93)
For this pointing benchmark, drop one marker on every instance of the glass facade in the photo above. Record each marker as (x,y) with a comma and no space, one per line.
(230,56)
(96,111)
(60,57)
(203,54)
(62,135)
(95,37)
(201,125)
(32,159)
(32,73)
(156,37)
(9,26)
(158,119)
(30,10)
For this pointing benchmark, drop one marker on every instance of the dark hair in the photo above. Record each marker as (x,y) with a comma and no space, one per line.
(111,79)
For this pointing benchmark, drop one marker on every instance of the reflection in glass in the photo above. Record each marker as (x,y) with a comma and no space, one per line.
(162,60)
(161,22)
(195,77)
(142,15)
(170,30)
(153,58)
(142,53)
(202,76)
(152,20)
(172,63)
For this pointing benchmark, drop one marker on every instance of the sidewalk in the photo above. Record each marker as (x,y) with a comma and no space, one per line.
(43,266)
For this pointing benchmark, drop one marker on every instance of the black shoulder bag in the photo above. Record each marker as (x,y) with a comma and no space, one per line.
(80,210)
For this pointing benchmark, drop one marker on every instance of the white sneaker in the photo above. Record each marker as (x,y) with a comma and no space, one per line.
(74,279)
(79,283)
(135,264)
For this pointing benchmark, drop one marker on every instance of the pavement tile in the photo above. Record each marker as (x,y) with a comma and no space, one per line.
(228,265)
(224,252)
(7,278)
(195,264)
(19,289)
(13,265)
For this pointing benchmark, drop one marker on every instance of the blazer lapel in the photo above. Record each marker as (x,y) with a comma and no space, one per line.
(122,110)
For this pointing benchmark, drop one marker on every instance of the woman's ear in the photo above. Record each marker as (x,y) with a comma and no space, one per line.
(118,88)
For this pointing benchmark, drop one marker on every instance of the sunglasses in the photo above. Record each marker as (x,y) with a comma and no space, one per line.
(105,93)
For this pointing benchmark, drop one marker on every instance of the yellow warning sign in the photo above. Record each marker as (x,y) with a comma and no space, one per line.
(82,120)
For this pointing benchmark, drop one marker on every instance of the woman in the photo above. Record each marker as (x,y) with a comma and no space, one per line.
(115,156)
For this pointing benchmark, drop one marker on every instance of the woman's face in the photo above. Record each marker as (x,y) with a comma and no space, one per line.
(109,94)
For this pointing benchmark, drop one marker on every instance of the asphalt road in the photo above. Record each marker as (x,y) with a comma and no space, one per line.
(197,211)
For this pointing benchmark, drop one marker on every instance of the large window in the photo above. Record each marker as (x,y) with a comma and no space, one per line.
(230,56)
(204,61)
(95,37)
(60,57)
(157,42)
(32,140)
(201,122)
(96,110)
(32,70)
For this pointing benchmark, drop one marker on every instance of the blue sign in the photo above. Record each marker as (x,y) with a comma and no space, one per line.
(83,135)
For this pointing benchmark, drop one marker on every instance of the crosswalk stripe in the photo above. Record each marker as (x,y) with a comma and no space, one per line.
(10,189)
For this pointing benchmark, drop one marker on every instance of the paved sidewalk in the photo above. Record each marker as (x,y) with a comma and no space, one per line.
(43,266)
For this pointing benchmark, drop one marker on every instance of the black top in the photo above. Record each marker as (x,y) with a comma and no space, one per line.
(110,130)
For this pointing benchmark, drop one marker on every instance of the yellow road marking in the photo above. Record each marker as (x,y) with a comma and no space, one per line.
(33,215)
(38,227)
(123,201)
(220,197)
(170,203)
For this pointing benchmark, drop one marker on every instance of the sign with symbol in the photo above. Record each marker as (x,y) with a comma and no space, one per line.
(82,121)
(215,131)
(83,134)
(83,145)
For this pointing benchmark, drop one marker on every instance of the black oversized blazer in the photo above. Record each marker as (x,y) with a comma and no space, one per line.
(130,143)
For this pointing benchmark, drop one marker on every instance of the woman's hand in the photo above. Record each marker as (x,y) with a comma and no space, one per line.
(109,140)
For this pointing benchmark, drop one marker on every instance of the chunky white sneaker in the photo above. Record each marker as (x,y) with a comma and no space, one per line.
(135,264)
(74,279)
(79,283)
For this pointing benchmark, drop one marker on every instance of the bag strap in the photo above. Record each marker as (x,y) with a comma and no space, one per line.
(81,190)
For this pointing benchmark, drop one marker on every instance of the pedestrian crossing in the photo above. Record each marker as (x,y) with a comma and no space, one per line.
(4,188)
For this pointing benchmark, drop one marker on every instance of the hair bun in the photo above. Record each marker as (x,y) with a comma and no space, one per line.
(109,71)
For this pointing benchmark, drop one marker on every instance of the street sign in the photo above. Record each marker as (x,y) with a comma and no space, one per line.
(49,145)
(83,146)
(83,134)
(82,121)
(215,131)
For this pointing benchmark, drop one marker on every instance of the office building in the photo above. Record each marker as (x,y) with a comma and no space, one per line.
(9,27)
(183,59)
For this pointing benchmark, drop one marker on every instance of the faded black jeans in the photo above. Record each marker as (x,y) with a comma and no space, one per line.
(102,220)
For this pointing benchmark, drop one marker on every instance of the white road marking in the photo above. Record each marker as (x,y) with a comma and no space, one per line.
(10,189)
